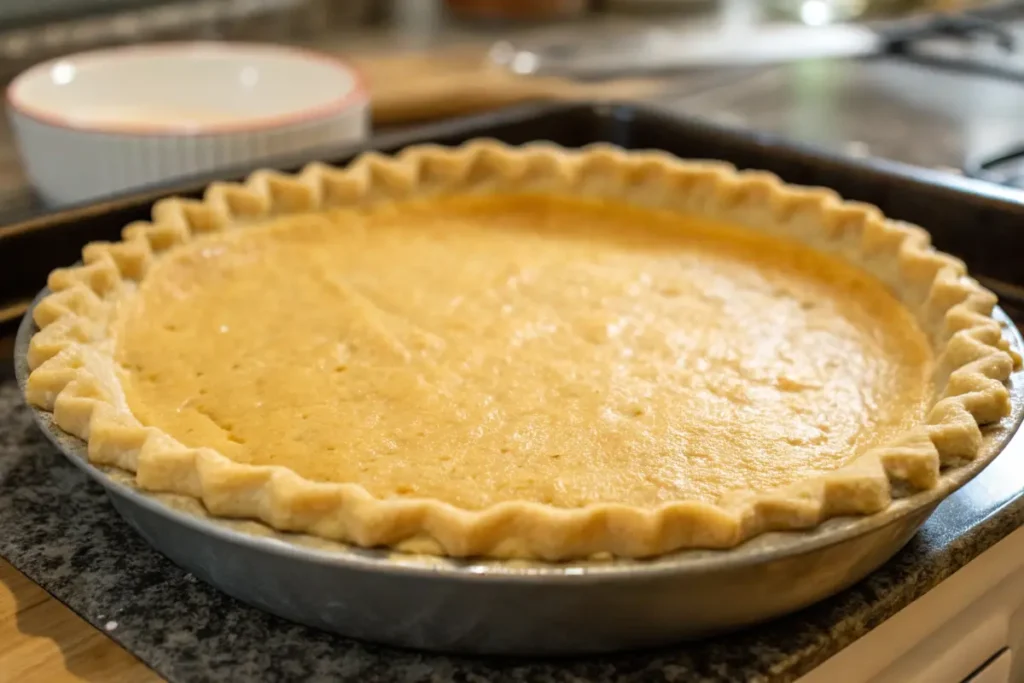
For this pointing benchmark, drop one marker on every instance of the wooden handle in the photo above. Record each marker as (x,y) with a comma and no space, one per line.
(417,87)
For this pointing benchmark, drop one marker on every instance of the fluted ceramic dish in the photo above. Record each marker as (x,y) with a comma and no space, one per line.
(98,123)
(524,608)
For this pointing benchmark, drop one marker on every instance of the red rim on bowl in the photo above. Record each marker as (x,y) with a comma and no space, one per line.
(357,94)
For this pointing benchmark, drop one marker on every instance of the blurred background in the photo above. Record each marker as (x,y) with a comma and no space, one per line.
(854,75)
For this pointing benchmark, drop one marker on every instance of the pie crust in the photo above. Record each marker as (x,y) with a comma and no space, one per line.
(74,371)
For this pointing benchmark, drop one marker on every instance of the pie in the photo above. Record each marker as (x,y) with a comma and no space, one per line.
(523,352)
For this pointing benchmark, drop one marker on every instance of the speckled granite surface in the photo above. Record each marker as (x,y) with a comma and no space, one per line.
(58,528)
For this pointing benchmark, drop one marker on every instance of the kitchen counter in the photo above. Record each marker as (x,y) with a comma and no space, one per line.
(45,642)
(58,528)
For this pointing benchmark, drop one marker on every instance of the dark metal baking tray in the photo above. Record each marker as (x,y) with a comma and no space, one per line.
(373,595)
(975,220)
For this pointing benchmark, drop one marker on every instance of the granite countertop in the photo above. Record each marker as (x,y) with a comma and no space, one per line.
(58,527)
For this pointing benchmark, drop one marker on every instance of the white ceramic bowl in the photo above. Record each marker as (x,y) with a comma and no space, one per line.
(98,123)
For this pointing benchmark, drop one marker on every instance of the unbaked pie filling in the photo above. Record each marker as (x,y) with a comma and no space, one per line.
(532,347)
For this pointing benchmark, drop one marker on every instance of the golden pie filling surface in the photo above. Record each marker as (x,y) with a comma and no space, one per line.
(521,347)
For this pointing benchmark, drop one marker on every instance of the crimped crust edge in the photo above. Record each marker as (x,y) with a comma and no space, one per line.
(73,370)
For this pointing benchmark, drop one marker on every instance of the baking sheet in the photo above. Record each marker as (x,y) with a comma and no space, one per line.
(974,220)
(958,219)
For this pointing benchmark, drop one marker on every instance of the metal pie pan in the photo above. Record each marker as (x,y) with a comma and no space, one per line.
(522,608)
